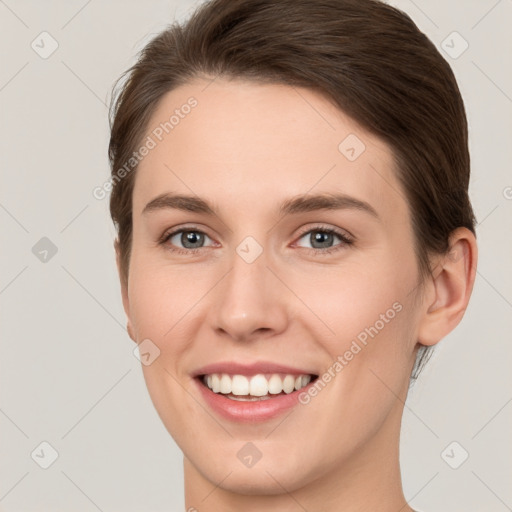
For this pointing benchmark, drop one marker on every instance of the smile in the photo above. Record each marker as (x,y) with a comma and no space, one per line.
(251,392)
(256,387)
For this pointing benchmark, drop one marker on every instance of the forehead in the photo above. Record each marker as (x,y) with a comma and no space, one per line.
(255,145)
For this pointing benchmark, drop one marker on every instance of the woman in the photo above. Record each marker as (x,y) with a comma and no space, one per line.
(290,189)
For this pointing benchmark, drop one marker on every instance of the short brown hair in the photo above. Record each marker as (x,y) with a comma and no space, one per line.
(367,57)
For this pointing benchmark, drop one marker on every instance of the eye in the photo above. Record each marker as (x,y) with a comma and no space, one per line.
(185,240)
(321,240)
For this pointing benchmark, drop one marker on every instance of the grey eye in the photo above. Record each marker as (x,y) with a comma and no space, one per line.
(188,239)
(320,238)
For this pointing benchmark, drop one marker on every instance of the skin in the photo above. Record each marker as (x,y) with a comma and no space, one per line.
(246,148)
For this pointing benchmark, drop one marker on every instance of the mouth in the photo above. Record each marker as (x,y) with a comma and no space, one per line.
(254,388)
(251,392)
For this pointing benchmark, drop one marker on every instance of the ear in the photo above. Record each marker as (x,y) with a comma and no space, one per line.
(450,288)
(124,291)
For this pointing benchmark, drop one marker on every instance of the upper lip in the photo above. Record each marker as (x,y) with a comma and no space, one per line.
(234,368)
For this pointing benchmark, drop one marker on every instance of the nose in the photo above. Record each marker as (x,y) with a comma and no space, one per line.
(250,302)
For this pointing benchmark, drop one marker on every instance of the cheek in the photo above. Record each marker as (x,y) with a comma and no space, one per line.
(364,318)
(160,297)
(370,349)
(161,306)
(356,303)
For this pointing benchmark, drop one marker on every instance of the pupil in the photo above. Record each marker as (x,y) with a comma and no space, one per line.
(191,237)
(322,238)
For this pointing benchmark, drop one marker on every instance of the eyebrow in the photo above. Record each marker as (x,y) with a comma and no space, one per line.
(294,205)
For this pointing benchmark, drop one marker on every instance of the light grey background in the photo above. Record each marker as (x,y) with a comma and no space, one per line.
(68,375)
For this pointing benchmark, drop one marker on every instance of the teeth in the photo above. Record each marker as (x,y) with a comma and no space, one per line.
(215,383)
(225,384)
(289,384)
(257,386)
(239,385)
(275,385)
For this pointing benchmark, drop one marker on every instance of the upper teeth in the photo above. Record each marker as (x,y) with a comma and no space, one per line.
(257,385)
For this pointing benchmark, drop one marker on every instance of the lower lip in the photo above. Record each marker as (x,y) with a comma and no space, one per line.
(250,411)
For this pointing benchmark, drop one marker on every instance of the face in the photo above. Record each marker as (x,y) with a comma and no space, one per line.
(289,258)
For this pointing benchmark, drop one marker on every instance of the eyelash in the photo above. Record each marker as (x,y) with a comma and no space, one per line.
(346,240)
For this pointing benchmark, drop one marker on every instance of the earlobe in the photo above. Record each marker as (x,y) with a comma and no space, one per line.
(452,283)
(124,291)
